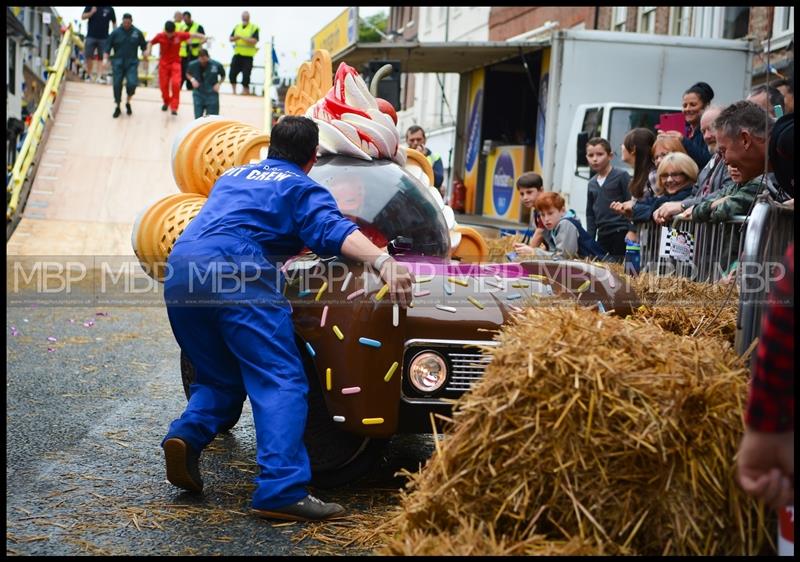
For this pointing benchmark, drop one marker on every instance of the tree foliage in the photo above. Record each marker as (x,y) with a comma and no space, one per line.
(366,33)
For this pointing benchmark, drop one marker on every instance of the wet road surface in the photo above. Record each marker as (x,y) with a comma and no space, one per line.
(90,393)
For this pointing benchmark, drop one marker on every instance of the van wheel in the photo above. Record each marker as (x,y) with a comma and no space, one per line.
(337,457)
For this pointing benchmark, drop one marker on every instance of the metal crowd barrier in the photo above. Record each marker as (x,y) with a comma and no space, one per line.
(770,230)
(753,246)
(709,250)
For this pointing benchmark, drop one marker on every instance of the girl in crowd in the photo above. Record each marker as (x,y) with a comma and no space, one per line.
(636,152)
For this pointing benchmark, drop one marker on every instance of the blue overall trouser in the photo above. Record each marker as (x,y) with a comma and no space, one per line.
(240,349)
(205,101)
(128,69)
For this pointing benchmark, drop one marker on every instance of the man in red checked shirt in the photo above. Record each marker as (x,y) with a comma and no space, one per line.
(169,67)
(766,454)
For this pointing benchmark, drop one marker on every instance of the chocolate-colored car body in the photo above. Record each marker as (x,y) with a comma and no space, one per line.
(456,310)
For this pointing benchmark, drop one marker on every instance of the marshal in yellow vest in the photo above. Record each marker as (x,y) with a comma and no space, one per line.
(242,47)
(195,43)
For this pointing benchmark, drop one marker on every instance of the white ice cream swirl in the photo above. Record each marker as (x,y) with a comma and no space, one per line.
(351,123)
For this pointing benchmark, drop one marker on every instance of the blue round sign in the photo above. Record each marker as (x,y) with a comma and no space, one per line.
(473,131)
(503,183)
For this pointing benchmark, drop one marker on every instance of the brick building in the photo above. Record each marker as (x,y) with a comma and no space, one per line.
(756,23)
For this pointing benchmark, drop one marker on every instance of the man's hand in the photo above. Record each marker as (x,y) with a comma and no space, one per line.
(399,279)
(195,83)
(105,63)
(233,38)
(215,87)
(765,467)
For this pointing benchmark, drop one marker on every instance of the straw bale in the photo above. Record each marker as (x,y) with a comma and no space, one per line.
(622,442)
(499,247)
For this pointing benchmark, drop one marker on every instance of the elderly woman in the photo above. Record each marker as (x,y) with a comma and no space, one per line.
(676,176)
(645,182)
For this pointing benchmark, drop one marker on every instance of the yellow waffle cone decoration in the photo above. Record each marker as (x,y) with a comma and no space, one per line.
(158,227)
(314,79)
(417,164)
(472,248)
(212,146)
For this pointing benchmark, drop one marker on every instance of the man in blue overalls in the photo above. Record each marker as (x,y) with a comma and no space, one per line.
(226,308)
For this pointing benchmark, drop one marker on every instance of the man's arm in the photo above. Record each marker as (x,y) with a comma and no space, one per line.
(765,465)
(107,45)
(88,12)
(590,220)
(358,247)
(113,20)
(737,203)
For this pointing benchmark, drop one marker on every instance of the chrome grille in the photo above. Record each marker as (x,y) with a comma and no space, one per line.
(468,368)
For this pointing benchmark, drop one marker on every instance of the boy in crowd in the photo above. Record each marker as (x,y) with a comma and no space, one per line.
(571,239)
(609,184)
(530,186)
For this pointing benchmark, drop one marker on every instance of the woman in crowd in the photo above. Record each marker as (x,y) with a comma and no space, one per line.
(677,174)
(695,101)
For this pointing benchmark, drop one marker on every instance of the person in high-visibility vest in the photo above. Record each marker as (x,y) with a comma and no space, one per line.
(178,19)
(190,49)
(244,37)
(415,138)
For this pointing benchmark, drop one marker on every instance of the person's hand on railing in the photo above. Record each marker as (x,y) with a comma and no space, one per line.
(665,212)
(687,214)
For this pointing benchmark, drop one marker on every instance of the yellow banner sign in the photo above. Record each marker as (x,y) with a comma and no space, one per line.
(339,34)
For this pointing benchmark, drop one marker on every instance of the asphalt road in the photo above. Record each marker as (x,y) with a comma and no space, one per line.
(85,415)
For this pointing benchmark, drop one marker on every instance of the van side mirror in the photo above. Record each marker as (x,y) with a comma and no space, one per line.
(580,160)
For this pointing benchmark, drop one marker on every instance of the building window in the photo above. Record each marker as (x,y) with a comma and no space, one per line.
(736,22)
(647,19)
(782,28)
(783,21)
(618,17)
(680,21)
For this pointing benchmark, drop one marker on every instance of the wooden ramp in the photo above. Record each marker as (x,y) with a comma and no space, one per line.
(97,173)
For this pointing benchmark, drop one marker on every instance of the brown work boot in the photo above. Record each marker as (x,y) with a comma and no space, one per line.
(182,465)
(307,509)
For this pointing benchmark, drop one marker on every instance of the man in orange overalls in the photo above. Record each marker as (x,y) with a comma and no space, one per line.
(169,66)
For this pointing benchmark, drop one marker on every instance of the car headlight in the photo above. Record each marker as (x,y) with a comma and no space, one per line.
(428,372)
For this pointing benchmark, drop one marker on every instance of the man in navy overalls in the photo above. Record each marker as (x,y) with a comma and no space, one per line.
(224,299)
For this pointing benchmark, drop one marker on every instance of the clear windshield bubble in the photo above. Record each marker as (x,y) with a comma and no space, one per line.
(386,202)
